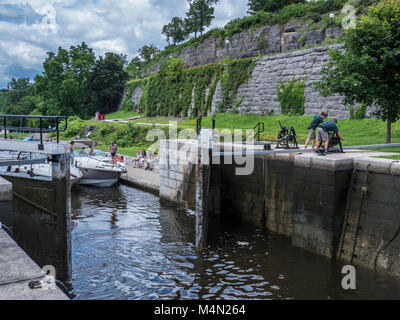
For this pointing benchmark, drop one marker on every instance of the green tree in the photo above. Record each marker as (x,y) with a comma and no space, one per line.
(134,68)
(175,30)
(269,5)
(63,86)
(200,15)
(3,99)
(147,53)
(107,83)
(368,70)
(19,88)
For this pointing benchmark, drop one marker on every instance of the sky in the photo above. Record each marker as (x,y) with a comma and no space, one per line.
(31,28)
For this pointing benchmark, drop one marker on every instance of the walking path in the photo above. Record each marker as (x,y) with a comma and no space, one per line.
(142,179)
(17,270)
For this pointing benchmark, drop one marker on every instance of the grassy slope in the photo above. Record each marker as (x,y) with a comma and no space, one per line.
(355,132)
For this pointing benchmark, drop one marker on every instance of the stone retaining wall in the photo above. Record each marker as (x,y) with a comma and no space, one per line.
(259,95)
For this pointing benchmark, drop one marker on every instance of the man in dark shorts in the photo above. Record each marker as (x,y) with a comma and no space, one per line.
(323,133)
(113,150)
(318,119)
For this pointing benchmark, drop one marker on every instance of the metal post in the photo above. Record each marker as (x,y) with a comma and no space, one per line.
(5,128)
(58,135)
(41,134)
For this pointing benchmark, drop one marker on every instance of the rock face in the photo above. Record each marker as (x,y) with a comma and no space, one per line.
(255,42)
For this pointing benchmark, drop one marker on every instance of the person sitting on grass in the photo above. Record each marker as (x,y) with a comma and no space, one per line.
(318,119)
(323,134)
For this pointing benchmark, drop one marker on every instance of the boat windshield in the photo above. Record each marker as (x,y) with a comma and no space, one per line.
(99,153)
(81,152)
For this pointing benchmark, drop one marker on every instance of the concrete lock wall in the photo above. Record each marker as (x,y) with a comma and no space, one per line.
(316,201)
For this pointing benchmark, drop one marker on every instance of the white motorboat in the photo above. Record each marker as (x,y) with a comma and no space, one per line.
(97,169)
(42,169)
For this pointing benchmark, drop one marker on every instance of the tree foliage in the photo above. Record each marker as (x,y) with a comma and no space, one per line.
(107,83)
(269,5)
(291,96)
(175,31)
(64,82)
(147,53)
(200,15)
(368,70)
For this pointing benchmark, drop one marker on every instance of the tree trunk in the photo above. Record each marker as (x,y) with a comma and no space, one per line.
(389,131)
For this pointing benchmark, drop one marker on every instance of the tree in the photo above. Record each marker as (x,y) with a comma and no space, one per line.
(147,53)
(19,88)
(107,83)
(200,15)
(175,30)
(269,5)
(368,70)
(134,68)
(63,86)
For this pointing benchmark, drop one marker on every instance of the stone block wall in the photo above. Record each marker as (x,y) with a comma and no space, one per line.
(259,95)
(316,201)
(369,235)
(177,171)
(320,203)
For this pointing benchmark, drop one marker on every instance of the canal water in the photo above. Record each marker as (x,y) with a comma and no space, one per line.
(127,244)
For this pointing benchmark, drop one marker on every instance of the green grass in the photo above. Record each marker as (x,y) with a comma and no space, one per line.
(355,132)
(123,114)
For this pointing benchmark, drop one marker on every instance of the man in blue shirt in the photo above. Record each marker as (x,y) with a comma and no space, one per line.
(318,119)
(323,133)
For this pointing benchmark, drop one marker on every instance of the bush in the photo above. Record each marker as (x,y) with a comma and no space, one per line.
(291,96)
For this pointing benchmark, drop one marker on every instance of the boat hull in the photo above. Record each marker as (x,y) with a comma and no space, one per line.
(99,178)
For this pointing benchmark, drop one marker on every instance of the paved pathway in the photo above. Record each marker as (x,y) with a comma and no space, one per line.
(143,179)
(17,270)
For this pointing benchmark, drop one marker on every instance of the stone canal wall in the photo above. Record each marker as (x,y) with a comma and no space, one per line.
(5,190)
(316,201)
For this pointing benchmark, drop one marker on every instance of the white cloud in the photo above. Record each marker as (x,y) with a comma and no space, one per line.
(106,25)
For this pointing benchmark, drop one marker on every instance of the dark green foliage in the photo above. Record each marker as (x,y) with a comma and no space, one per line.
(291,96)
(175,31)
(359,113)
(367,72)
(148,53)
(170,91)
(63,86)
(237,72)
(269,5)
(200,15)
(107,82)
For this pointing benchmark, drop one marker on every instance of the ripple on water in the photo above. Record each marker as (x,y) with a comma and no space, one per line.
(127,245)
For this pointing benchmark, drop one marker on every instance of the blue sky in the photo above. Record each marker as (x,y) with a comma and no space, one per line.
(31,28)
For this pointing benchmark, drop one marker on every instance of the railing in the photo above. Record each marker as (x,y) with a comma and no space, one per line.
(40,130)
(259,128)
(198,124)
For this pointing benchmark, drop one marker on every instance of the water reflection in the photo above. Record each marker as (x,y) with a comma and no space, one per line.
(36,232)
(126,244)
(144,249)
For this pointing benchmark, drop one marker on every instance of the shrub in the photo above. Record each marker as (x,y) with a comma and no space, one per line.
(291,96)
